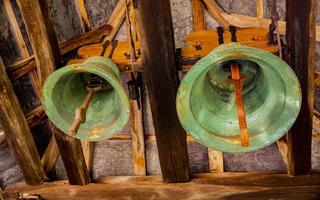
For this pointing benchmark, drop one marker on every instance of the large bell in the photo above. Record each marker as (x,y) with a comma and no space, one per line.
(206,103)
(65,90)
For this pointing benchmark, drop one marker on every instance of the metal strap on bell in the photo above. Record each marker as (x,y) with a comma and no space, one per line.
(71,88)
(207,106)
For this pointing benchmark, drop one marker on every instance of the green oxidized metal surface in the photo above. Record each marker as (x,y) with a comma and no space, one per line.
(65,90)
(206,102)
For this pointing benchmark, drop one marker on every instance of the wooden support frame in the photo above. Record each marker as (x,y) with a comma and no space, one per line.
(36,17)
(301,40)
(157,47)
(18,133)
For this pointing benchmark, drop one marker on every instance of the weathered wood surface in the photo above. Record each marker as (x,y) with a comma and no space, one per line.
(198,15)
(138,139)
(41,36)
(215,11)
(203,186)
(301,40)
(157,48)
(73,158)
(116,18)
(91,37)
(18,133)
(36,15)
(259,8)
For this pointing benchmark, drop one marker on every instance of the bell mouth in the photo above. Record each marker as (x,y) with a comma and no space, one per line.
(206,103)
(65,91)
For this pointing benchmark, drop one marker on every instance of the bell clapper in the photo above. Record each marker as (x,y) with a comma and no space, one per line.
(237,80)
(95,85)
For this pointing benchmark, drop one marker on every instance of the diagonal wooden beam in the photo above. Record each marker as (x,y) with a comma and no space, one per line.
(215,11)
(116,18)
(36,16)
(17,132)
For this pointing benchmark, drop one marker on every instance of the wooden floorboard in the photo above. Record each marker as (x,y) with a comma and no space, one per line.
(226,186)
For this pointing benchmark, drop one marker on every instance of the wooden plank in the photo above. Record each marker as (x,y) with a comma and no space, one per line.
(116,19)
(73,158)
(91,37)
(18,133)
(36,16)
(215,11)
(50,156)
(15,29)
(301,41)
(157,47)
(259,8)
(240,186)
(198,15)
(138,144)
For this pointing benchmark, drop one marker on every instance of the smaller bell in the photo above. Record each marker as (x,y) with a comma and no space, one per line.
(67,89)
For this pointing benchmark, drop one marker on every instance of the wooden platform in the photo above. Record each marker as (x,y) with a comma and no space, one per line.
(227,186)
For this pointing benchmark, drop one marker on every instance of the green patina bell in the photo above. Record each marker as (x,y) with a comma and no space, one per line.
(65,90)
(206,101)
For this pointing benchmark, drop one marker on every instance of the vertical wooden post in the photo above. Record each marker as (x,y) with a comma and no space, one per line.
(301,39)
(18,133)
(156,38)
(198,15)
(36,16)
(259,5)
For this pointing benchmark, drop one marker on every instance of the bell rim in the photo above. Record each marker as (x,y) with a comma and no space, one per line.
(202,135)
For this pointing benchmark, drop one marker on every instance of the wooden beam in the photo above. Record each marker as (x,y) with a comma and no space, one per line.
(87,148)
(16,29)
(301,41)
(91,37)
(215,161)
(73,158)
(36,16)
(215,11)
(157,47)
(138,144)
(116,18)
(198,15)
(18,133)
(240,186)
(259,5)
(41,36)
(50,156)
